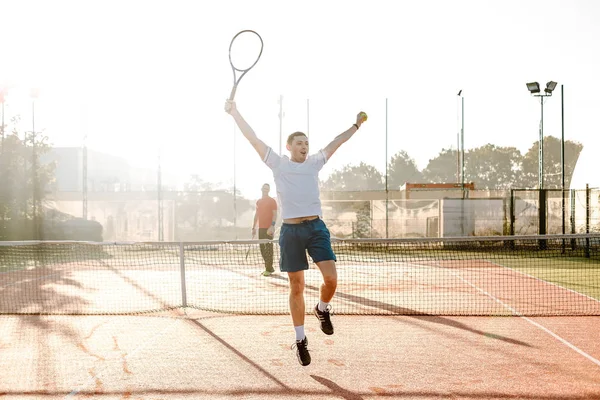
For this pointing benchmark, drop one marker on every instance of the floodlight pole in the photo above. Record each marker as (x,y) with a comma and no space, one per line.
(562,152)
(84,163)
(160,200)
(541,147)
(33,168)
(541,142)
(34,175)
(462,145)
(535,91)
(461,158)
(562,160)
(387,197)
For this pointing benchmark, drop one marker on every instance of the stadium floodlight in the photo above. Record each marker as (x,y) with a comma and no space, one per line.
(533,87)
(550,87)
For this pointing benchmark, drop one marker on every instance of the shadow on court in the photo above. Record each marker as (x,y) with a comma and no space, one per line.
(396,310)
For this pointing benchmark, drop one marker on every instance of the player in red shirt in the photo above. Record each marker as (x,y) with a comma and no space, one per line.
(266,216)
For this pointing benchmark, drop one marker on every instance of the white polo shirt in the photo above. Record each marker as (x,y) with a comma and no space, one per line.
(297,184)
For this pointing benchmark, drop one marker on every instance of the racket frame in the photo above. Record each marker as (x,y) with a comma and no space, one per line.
(236,80)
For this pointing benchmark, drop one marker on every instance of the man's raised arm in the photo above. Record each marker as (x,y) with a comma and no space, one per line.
(343,137)
(247,131)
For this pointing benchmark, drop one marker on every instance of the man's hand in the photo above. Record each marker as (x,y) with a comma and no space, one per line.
(230,107)
(253,233)
(270,230)
(360,118)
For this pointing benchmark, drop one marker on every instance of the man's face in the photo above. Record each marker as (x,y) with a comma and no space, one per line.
(265,189)
(298,148)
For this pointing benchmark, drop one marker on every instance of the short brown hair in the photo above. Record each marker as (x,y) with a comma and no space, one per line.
(290,138)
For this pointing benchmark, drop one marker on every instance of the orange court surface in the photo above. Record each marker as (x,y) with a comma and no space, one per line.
(202,355)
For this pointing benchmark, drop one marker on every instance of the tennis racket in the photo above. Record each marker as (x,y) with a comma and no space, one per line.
(245,50)
(249,248)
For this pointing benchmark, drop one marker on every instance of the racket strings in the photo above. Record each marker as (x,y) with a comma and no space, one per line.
(245,50)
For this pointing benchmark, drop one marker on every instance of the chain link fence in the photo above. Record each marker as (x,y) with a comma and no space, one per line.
(218,215)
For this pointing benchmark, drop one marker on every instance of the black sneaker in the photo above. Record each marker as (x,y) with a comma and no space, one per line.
(324,319)
(302,351)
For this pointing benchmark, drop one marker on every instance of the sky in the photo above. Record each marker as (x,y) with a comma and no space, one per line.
(141,79)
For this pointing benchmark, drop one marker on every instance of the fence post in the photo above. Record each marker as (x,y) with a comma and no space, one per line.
(573,230)
(512,213)
(542,217)
(511,216)
(563,209)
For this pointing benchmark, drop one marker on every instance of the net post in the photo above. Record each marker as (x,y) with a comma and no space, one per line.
(182,269)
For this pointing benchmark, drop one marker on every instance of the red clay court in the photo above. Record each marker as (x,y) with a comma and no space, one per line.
(504,318)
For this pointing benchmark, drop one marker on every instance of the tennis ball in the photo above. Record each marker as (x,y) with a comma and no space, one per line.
(363,115)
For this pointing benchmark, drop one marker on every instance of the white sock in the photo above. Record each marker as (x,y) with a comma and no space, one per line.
(322,305)
(299,333)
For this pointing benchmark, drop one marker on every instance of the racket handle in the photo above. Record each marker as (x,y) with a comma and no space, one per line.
(232,95)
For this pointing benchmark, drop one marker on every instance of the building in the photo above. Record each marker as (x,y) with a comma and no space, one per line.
(125,200)
(105,172)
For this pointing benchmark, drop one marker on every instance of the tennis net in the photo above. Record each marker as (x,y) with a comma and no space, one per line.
(509,275)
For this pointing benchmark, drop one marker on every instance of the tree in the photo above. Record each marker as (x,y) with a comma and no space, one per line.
(493,167)
(204,207)
(362,226)
(441,169)
(552,166)
(23,182)
(352,177)
(402,169)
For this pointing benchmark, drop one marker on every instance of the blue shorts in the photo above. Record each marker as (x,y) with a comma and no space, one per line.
(296,239)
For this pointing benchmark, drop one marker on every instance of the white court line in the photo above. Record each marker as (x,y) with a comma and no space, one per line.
(532,322)
(91,381)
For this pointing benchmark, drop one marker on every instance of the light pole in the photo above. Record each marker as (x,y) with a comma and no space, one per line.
(84,163)
(562,138)
(461,156)
(562,152)
(387,195)
(534,89)
(36,196)
(84,179)
(160,200)
(461,150)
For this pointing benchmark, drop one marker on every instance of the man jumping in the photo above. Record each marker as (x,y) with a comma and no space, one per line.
(297,186)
